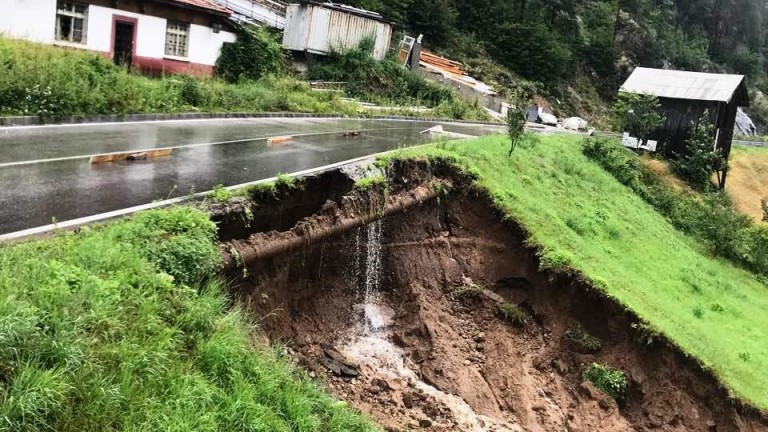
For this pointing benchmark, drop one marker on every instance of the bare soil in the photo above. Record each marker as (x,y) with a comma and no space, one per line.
(442,356)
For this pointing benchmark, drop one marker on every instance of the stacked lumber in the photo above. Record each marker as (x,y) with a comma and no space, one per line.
(442,63)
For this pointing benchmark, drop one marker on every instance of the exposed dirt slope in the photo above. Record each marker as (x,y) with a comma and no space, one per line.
(748,180)
(442,357)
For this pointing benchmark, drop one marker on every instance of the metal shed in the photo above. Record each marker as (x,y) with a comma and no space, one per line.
(321,28)
(685,97)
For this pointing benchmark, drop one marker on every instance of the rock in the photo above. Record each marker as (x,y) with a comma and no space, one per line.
(744,124)
(408,400)
(589,390)
(539,408)
(337,363)
(398,340)
(604,404)
(712,425)
(480,337)
(467,362)
(425,423)
(560,366)
(299,341)
(575,123)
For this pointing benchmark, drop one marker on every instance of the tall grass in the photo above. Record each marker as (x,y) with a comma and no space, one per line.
(50,81)
(124,328)
(582,219)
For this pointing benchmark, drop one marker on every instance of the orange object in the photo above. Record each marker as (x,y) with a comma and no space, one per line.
(142,155)
(279,140)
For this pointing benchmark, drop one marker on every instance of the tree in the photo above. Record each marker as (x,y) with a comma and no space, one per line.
(701,159)
(516,118)
(638,114)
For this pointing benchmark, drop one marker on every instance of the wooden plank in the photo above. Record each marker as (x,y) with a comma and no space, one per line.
(141,155)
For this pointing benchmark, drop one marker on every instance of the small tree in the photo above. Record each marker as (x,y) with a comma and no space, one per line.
(638,114)
(516,118)
(701,159)
(764,205)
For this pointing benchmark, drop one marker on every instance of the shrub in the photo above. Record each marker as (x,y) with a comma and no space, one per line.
(621,162)
(700,161)
(220,194)
(512,313)
(582,338)
(255,54)
(611,381)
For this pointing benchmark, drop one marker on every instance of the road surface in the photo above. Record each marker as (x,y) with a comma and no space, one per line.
(47,175)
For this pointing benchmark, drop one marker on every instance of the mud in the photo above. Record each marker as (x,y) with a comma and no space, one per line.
(413,304)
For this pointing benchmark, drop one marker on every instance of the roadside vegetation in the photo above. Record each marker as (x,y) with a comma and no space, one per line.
(585,222)
(252,76)
(125,327)
(387,82)
(48,81)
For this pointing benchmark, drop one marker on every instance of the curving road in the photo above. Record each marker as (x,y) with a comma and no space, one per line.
(46,173)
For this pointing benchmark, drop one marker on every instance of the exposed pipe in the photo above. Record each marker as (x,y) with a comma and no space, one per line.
(243,253)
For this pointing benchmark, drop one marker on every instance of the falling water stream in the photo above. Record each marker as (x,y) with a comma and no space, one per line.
(368,343)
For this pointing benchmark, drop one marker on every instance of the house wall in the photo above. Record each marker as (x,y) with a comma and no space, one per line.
(33,20)
(36,20)
(320,30)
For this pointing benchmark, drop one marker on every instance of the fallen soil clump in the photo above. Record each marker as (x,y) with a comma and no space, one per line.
(439,318)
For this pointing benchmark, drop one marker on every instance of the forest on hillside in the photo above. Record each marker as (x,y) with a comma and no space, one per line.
(549,42)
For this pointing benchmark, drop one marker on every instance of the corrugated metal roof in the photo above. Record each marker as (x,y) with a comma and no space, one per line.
(675,84)
(204,4)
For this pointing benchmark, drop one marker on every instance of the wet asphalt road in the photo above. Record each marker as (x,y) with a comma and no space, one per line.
(46,171)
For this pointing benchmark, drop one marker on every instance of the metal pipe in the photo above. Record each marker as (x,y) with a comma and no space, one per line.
(244,253)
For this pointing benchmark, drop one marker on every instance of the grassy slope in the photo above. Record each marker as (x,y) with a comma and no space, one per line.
(110,329)
(582,218)
(43,80)
(748,179)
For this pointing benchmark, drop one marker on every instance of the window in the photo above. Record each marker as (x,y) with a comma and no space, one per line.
(176,37)
(71,20)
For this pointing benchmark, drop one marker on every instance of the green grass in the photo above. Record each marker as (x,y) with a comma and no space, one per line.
(48,81)
(612,381)
(123,328)
(582,219)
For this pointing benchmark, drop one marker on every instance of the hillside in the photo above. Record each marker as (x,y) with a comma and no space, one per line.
(583,220)
(578,52)
(748,179)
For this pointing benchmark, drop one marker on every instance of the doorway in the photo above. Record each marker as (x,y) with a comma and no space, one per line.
(123,43)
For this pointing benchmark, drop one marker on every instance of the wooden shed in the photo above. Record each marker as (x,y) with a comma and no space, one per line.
(685,97)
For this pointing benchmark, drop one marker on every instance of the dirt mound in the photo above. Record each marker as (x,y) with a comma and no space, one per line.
(439,318)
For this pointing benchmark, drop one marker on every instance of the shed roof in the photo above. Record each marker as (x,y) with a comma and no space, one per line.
(205,5)
(675,84)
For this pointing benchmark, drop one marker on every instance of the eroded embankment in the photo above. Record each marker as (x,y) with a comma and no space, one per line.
(408,317)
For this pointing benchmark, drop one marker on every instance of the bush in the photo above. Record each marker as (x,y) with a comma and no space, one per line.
(611,381)
(621,162)
(255,54)
(699,161)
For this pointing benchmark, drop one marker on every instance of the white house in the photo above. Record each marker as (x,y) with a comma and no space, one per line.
(156,36)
